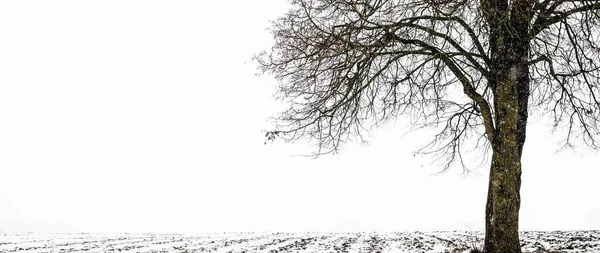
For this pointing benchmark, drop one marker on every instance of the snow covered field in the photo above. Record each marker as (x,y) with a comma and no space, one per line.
(565,241)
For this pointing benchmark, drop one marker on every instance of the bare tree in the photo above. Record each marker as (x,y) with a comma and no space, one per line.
(476,68)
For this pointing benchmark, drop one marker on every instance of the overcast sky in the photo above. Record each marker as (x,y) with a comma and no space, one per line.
(147,116)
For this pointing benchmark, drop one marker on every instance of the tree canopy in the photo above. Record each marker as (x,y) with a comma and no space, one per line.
(347,65)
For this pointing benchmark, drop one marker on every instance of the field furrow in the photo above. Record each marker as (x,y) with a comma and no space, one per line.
(415,242)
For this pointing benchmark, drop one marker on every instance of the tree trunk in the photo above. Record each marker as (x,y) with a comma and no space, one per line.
(502,209)
(503,203)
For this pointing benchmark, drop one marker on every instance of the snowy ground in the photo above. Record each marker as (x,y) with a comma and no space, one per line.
(416,242)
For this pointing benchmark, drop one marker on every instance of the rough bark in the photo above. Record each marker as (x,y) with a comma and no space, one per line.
(502,208)
(509,44)
(502,211)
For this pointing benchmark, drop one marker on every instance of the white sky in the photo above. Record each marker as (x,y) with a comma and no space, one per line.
(147,116)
